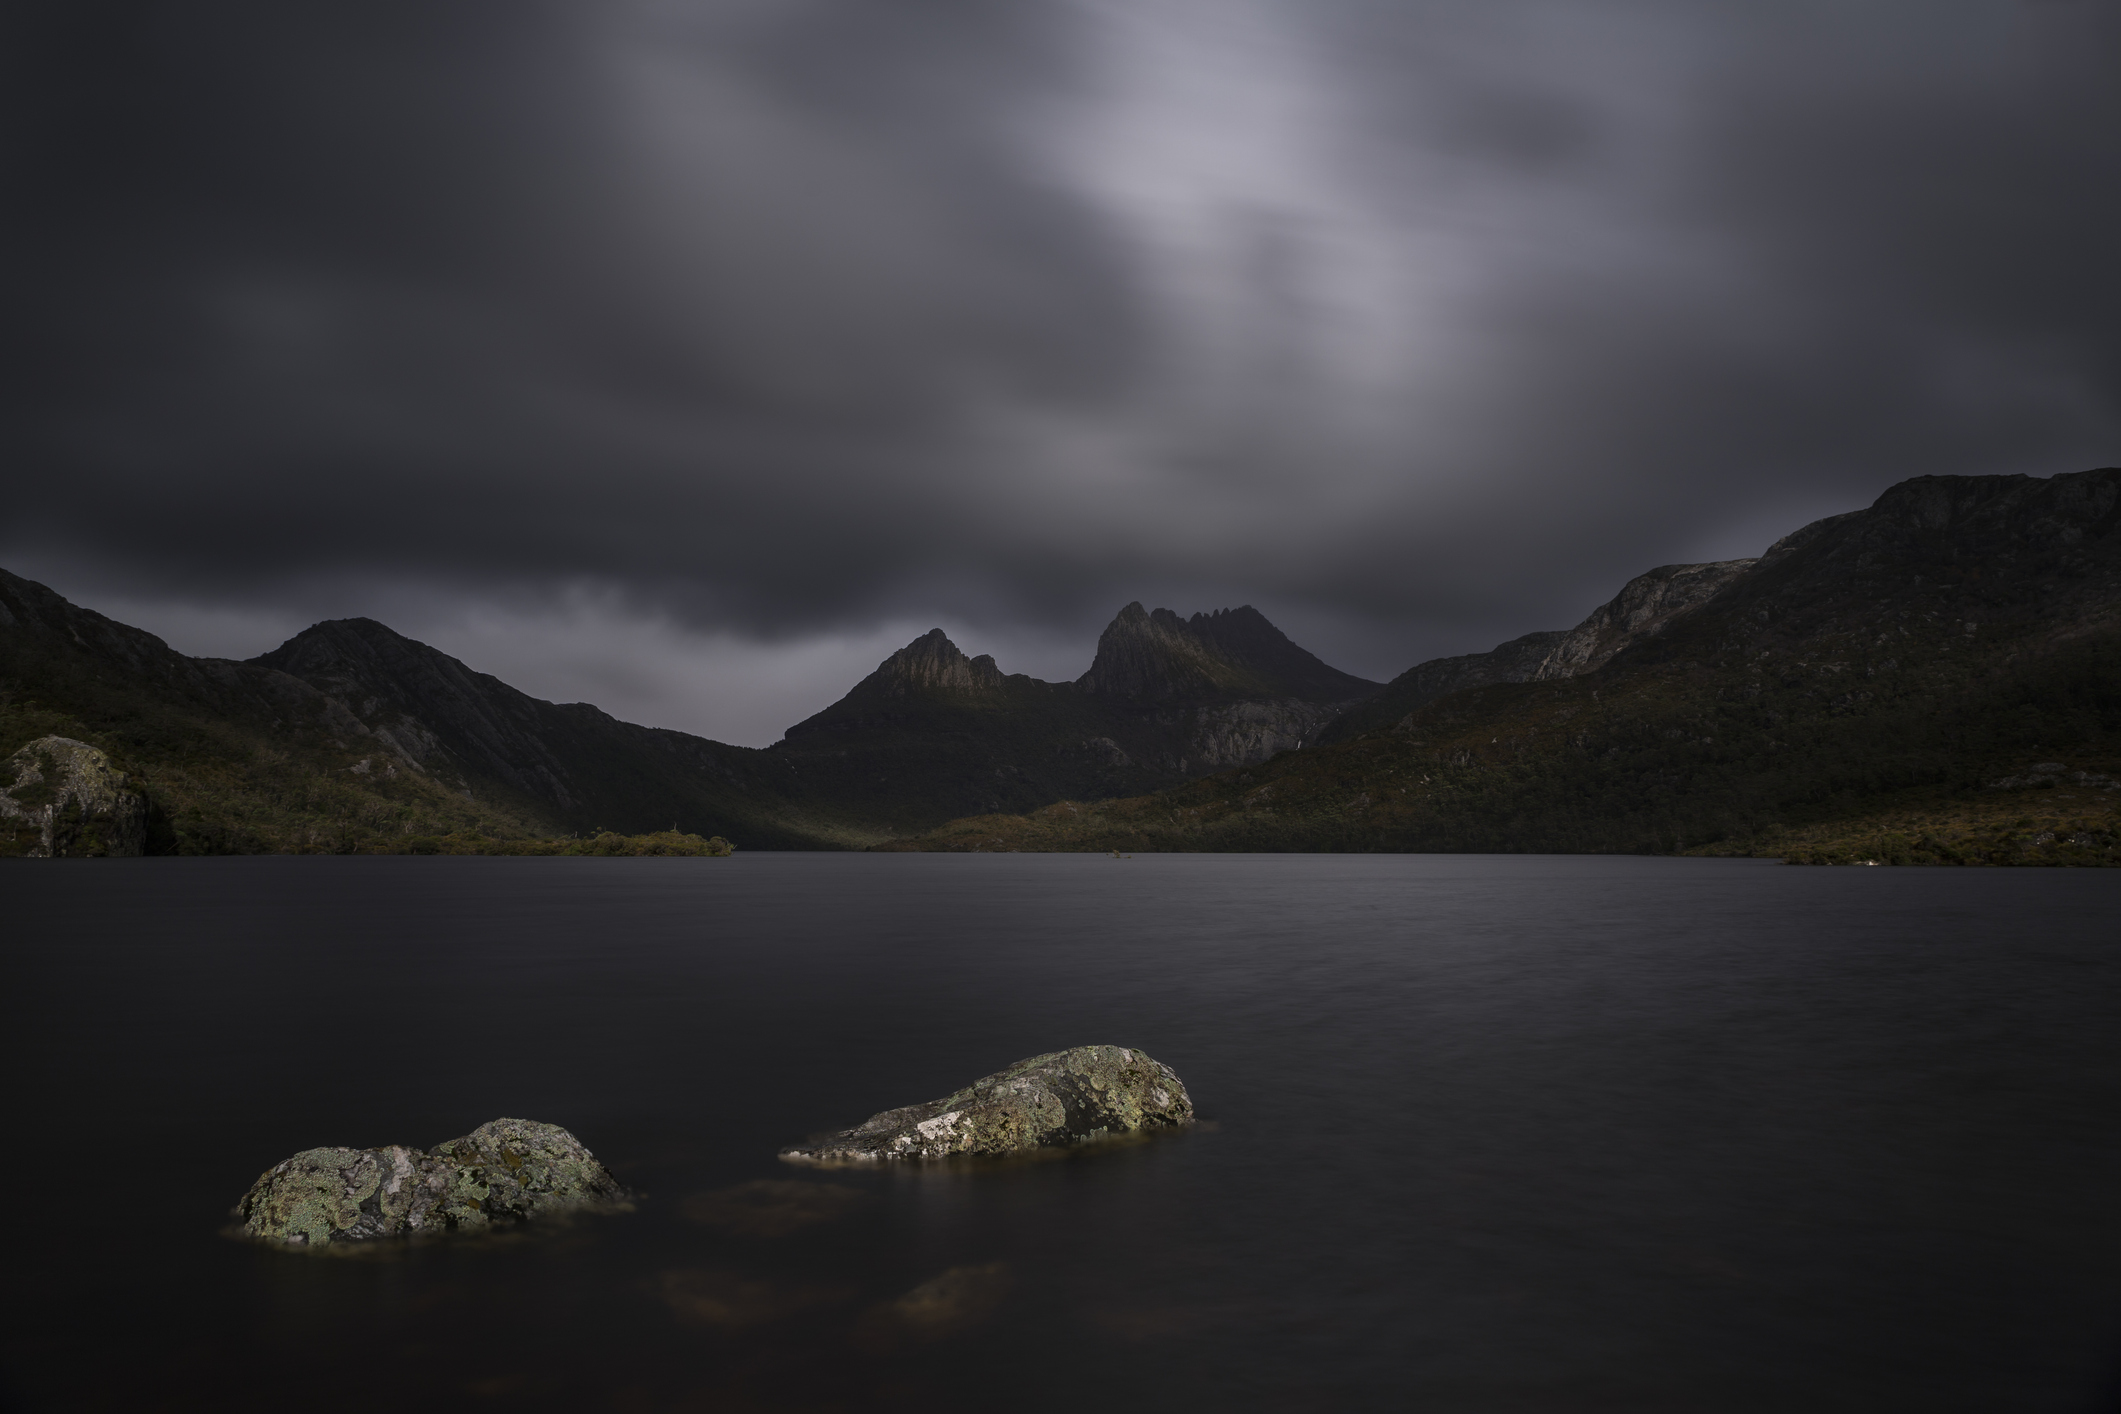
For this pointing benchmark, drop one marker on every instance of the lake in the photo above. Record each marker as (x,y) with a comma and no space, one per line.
(1515,1134)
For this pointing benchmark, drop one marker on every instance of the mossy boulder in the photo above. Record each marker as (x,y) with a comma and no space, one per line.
(506,1171)
(61,799)
(1070,1097)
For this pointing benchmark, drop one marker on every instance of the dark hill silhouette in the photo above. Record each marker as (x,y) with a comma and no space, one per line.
(1936,678)
(351,735)
(932,733)
(1961,632)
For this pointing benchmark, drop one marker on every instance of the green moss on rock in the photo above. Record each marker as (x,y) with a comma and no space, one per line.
(505,1171)
(1068,1097)
(61,798)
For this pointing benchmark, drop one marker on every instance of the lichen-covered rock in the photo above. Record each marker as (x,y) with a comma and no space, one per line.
(529,1168)
(505,1171)
(62,799)
(1068,1097)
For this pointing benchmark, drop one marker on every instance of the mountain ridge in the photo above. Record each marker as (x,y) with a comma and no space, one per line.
(1164,699)
(1643,608)
(350,734)
(1891,683)
(1959,635)
(322,742)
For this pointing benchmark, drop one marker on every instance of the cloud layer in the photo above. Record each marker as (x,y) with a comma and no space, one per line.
(778,326)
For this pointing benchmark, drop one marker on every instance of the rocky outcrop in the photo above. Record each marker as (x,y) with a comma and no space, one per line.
(1247,733)
(1645,606)
(1066,1098)
(932,663)
(929,673)
(1153,656)
(504,1172)
(64,800)
(1642,609)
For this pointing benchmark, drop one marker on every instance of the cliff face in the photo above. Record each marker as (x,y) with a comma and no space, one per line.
(1154,657)
(1245,733)
(932,663)
(1644,608)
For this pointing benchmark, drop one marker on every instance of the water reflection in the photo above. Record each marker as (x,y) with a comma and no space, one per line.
(730,1300)
(767,1207)
(946,1305)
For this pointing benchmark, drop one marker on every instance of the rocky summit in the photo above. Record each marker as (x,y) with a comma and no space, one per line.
(506,1171)
(1070,1097)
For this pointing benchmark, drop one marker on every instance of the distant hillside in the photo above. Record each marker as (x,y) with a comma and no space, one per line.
(1934,679)
(351,736)
(569,764)
(1642,609)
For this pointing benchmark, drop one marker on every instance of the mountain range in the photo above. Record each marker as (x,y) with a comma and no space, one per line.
(1934,679)
(1960,632)
(350,736)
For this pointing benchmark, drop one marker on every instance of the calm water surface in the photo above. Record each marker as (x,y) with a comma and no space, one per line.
(1487,1134)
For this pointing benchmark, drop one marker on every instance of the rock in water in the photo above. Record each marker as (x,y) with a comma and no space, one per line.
(1069,1097)
(505,1171)
(64,800)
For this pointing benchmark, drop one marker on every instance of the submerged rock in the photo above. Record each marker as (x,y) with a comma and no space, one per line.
(62,799)
(941,1306)
(505,1171)
(772,1207)
(1068,1097)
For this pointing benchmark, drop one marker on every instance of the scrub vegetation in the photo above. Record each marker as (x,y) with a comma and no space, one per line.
(1895,688)
(214,788)
(1934,680)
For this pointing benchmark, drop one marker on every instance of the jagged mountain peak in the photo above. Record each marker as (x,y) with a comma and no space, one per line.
(927,672)
(1156,655)
(1229,653)
(1243,613)
(932,663)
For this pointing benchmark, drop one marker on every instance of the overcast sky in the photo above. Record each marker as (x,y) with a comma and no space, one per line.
(688,357)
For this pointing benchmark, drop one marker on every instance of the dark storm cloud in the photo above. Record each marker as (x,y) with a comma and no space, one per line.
(1418,325)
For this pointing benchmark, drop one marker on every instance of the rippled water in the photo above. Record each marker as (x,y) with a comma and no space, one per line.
(1486,1134)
